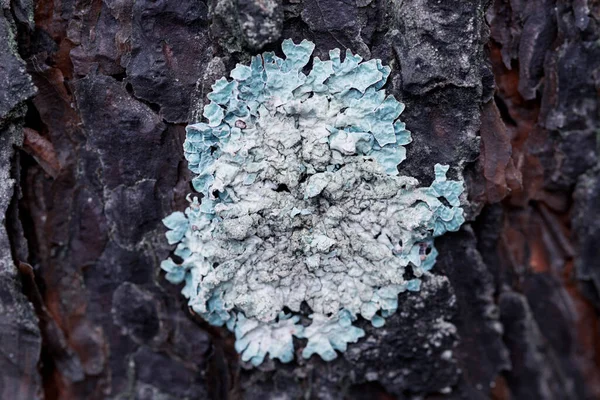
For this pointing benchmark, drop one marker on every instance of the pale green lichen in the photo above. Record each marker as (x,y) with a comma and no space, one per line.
(302,203)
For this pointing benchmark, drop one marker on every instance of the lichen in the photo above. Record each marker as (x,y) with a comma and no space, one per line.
(301,205)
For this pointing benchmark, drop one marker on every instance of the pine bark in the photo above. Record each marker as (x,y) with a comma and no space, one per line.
(94,99)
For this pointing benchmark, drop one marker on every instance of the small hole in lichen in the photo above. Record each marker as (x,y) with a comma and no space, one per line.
(282,187)
(216,193)
(213,149)
(424,250)
(444,201)
(215,265)
(377,235)
(408,273)
(303,178)
(305,308)
(400,243)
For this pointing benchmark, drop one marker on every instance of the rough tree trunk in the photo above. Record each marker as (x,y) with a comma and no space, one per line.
(94,98)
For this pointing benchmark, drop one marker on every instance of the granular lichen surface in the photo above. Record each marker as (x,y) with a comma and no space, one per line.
(301,206)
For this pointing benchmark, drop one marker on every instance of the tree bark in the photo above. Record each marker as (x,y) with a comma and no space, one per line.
(94,101)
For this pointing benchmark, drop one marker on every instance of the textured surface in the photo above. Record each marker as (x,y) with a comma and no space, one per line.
(303,206)
(20,339)
(505,92)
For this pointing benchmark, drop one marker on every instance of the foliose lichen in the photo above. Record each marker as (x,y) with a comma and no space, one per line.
(301,205)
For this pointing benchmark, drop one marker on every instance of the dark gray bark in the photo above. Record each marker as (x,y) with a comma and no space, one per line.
(20,339)
(90,162)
